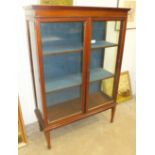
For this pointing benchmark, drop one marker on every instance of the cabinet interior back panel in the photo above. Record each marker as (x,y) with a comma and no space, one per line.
(56,66)
(97,55)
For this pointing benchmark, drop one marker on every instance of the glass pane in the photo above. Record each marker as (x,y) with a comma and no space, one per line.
(35,65)
(62,45)
(104,45)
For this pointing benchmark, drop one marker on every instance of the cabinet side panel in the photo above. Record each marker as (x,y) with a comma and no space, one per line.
(35,65)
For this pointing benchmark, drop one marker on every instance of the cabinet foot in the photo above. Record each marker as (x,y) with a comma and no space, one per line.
(48,138)
(112,114)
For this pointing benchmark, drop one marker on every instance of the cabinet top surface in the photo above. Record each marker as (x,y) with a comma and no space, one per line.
(48,7)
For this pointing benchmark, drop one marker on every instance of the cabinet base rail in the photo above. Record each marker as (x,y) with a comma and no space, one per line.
(53,125)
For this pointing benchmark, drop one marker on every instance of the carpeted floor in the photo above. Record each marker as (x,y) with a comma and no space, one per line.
(92,136)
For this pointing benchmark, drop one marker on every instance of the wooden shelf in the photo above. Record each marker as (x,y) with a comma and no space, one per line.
(102,44)
(97,99)
(73,107)
(63,48)
(76,80)
(67,48)
(65,109)
(99,74)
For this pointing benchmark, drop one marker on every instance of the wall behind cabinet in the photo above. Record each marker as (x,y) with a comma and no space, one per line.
(25,87)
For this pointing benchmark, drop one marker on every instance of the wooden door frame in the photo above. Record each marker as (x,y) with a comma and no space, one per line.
(40,59)
(118,59)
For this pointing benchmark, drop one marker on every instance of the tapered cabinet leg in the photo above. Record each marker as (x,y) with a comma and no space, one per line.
(113,114)
(48,138)
(40,127)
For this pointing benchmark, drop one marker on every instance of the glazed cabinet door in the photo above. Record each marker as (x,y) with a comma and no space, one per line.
(102,63)
(62,56)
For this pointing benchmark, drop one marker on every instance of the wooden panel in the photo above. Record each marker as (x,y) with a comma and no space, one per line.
(59,11)
(48,7)
(76,13)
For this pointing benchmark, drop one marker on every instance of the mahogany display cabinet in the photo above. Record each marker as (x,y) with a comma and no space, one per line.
(73,52)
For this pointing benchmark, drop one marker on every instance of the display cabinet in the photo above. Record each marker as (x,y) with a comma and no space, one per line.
(73,50)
